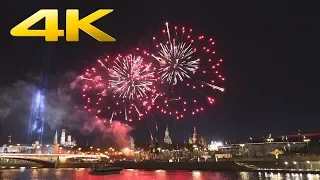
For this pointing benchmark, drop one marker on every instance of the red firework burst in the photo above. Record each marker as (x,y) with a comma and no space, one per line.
(188,70)
(118,89)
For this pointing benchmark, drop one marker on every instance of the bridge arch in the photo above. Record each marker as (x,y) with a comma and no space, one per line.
(45,164)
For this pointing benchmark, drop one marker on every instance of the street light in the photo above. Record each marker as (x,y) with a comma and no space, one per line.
(309,164)
(307,141)
(196,148)
(270,139)
(296,164)
(98,150)
(18,148)
(242,145)
(91,149)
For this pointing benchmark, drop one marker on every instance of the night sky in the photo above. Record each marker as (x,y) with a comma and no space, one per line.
(270,52)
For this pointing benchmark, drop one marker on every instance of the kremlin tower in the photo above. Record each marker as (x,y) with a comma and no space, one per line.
(132,145)
(190,140)
(195,136)
(55,145)
(9,140)
(63,137)
(167,138)
(69,142)
(203,141)
(55,141)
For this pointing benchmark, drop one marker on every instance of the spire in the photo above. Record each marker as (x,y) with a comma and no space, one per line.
(166,133)
(132,145)
(167,138)
(190,139)
(151,137)
(194,138)
(55,141)
(9,140)
(63,137)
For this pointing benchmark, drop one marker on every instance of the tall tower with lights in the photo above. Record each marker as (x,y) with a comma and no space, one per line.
(63,137)
(55,145)
(195,136)
(167,138)
(55,140)
(132,145)
(69,142)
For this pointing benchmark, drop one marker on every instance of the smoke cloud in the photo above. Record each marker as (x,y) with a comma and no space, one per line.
(62,107)
(118,133)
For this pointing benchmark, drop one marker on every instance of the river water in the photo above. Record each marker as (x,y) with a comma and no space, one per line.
(129,174)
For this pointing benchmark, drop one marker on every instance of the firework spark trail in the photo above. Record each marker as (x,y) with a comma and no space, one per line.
(111,117)
(154,99)
(214,86)
(102,64)
(137,109)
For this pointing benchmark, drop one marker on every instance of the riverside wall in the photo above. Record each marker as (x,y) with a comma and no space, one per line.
(212,166)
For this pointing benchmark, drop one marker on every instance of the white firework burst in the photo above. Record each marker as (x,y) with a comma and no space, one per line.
(176,60)
(130,77)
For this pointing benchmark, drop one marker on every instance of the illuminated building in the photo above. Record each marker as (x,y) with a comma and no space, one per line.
(132,145)
(214,146)
(167,138)
(202,141)
(63,137)
(55,140)
(190,140)
(194,139)
(65,141)
(55,145)
(9,140)
(69,140)
(195,136)
(74,143)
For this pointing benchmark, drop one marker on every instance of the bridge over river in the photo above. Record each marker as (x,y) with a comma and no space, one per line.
(50,160)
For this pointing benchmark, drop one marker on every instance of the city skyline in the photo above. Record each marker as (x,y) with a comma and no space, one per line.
(269,63)
(63,137)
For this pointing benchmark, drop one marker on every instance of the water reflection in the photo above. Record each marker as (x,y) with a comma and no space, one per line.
(131,174)
(244,175)
(196,175)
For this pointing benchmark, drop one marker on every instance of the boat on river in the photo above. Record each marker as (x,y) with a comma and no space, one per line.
(104,169)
